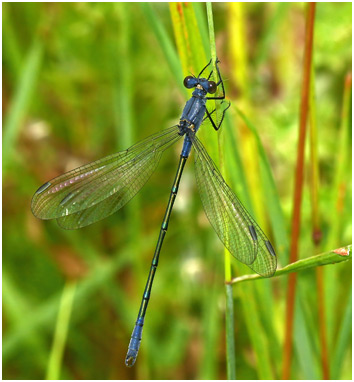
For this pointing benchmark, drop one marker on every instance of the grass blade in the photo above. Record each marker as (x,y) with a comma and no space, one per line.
(230,328)
(327,258)
(338,205)
(202,25)
(302,343)
(12,52)
(178,24)
(165,43)
(61,331)
(275,213)
(343,341)
(21,101)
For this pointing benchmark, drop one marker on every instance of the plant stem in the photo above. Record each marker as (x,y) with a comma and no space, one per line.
(299,176)
(230,330)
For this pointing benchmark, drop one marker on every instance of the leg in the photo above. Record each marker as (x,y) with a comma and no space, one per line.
(217,125)
(204,68)
(218,83)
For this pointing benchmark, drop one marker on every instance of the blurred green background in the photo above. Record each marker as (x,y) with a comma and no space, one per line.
(84,80)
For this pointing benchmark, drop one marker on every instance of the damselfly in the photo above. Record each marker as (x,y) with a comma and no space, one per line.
(96,190)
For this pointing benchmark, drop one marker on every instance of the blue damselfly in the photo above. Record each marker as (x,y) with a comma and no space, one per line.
(96,190)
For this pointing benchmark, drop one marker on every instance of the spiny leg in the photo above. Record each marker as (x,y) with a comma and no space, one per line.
(204,68)
(216,125)
(220,82)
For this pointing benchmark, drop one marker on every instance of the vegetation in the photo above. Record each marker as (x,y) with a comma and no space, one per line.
(84,80)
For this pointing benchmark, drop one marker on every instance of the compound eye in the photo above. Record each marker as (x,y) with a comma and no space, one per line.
(189,82)
(212,87)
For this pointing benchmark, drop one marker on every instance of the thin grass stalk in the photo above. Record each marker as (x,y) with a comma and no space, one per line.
(299,178)
(229,325)
(213,57)
(61,331)
(316,229)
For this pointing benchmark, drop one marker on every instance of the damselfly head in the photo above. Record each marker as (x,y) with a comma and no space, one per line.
(193,82)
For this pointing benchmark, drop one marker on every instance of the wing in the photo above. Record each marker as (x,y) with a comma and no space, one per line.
(91,192)
(97,212)
(235,227)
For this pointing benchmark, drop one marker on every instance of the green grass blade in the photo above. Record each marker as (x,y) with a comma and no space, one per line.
(188,39)
(164,41)
(235,166)
(12,54)
(15,307)
(44,315)
(195,45)
(230,330)
(270,33)
(342,164)
(337,205)
(202,25)
(256,332)
(178,24)
(21,101)
(302,343)
(276,215)
(327,258)
(343,341)
(213,327)
(230,323)
(61,331)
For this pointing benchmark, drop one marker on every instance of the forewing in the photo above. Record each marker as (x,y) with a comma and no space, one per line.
(128,187)
(117,177)
(235,227)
